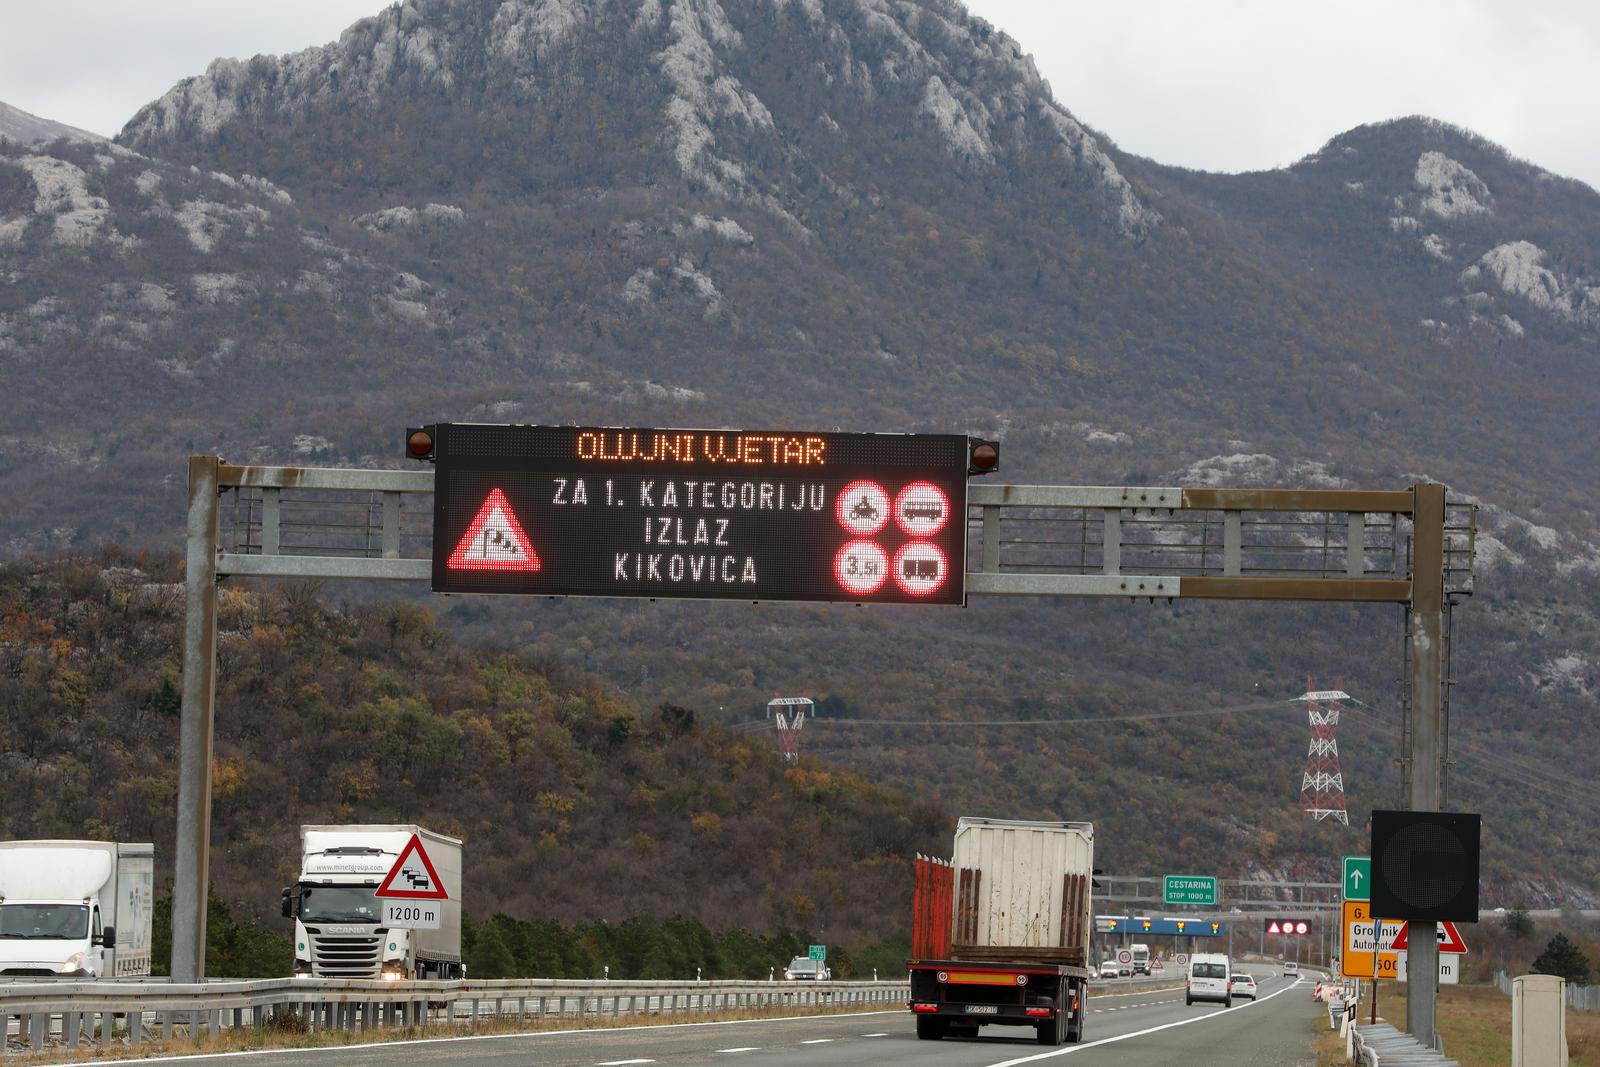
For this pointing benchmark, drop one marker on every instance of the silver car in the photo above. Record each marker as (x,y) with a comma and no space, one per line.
(1242,985)
(805,969)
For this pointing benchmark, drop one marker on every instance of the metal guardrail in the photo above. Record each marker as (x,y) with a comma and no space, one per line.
(36,1015)
(1383,1044)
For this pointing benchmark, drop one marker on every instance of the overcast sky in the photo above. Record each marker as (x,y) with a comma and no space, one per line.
(1215,84)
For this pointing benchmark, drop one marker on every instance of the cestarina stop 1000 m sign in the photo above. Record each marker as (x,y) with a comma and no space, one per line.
(723,514)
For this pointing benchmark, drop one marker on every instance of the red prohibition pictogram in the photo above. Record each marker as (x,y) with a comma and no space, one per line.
(921,509)
(862,508)
(920,568)
(861,567)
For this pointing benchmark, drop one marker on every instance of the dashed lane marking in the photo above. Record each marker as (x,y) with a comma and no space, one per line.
(1141,1033)
(320,1051)
(744,1048)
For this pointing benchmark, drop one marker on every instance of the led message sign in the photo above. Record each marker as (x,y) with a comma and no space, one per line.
(720,514)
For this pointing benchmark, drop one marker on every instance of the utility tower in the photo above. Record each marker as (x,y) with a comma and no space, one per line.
(790,714)
(1322,787)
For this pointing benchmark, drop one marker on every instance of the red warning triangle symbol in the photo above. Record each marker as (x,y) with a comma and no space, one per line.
(414,872)
(1449,938)
(495,541)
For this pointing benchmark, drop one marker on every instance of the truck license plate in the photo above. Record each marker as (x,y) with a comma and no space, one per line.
(982,1009)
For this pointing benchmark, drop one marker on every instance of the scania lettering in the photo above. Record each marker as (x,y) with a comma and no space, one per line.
(338,919)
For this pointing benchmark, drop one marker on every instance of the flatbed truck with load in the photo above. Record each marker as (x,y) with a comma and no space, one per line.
(1000,933)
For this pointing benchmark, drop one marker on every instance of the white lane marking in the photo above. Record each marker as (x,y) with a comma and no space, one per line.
(817,1041)
(742,1048)
(1139,1033)
(192,1057)
(874,1035)
(620,1063)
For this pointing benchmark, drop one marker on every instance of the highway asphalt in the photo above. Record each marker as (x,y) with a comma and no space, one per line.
(1137,1029)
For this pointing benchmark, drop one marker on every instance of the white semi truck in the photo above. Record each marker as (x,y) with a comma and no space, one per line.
(338,920)
(76,909)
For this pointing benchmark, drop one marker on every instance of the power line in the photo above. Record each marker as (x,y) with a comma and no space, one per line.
(1540,778)
(1537,770)
(1087,720)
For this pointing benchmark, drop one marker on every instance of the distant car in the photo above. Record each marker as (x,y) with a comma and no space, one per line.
(804,969)
(1242,985)
(1109,969)
(1291,970)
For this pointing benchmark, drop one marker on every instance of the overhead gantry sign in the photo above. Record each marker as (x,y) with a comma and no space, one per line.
(862,518)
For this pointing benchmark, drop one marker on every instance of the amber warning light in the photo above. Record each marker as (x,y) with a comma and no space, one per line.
(985,458)
(700,514)
(419,444)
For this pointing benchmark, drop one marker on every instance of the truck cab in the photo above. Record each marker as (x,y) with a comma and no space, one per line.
(1141,958)
(339,930)
(53,939)
(60,903)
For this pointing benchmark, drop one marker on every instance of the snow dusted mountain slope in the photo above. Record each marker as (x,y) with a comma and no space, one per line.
(25,128)
(696,83)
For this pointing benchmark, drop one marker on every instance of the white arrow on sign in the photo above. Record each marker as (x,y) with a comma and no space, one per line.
(1355,876)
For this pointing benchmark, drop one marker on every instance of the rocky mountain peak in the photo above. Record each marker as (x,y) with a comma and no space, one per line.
(26,128)
(695,84)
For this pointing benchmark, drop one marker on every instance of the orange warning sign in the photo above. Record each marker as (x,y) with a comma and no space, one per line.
(495,541)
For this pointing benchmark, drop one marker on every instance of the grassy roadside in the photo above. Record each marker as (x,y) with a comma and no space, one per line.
(1475,1022)
(281,1037)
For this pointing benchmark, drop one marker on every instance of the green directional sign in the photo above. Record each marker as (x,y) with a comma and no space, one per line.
(819,952)
(1358,878)
(1189,889)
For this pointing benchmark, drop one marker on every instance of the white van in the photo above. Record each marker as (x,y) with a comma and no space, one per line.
(1209,976)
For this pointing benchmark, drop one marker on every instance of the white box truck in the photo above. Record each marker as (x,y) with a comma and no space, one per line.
(76,909)
(338,920)
(1001,932)
(1141,958)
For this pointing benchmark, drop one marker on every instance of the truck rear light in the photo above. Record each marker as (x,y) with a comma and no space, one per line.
(1038,1013)
(924,1009)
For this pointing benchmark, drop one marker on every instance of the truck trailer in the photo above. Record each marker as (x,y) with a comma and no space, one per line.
(1000,933)
(338,919)
(76,909)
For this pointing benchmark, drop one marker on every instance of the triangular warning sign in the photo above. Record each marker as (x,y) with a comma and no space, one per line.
(1449,938)
(412,877)
(494,541)
(1273,928)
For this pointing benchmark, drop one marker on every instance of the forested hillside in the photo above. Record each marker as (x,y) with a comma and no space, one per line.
(575,803)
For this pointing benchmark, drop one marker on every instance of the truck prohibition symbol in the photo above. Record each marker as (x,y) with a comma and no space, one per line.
(1000,934)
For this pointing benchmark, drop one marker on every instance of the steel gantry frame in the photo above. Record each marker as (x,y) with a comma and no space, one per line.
(1327,545)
